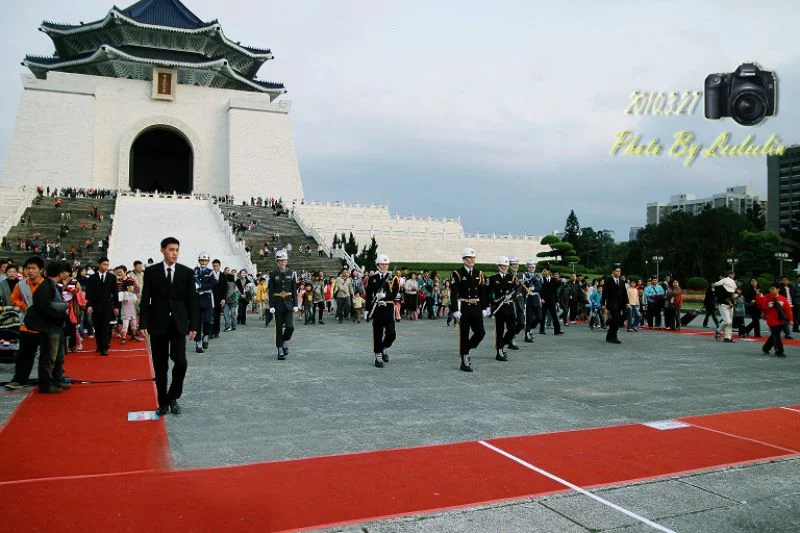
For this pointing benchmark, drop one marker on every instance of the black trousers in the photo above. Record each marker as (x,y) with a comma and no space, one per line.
(614,322)
(755,321)
(284,325)
(469,323)
(774,339)
(504,321)
(217,317)
(429,307)
(533,315)
(51,359)
(241,318)
(711,313)
(171,345)
(26,354)
(551,310)
(573,310)
(320,309)
(383,328)
(102,328)
(206,324)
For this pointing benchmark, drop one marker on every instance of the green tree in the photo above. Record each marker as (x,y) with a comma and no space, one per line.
(572,229)
(367,256)
(351,246)
(335,241)
(564,252)
(756,216)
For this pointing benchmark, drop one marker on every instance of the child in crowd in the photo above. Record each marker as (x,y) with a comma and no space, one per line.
(358,307)
(127,300)
(308,303)
(261,297)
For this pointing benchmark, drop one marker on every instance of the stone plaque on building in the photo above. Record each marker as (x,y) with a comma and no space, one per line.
(165,81)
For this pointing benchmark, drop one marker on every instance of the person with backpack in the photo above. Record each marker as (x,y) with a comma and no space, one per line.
(725,294)
(778,313)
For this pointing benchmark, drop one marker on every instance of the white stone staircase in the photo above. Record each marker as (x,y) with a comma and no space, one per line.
(141,221)
(13,202)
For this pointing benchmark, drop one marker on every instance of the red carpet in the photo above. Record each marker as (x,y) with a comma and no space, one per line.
(283,495)
(710,333)
(626,453)
(85,430)
(108,474)
(779,427)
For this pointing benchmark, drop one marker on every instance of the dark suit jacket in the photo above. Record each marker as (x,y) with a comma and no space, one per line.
(102,298)
(549,289)
(162,303)
(615,297)
(220,289)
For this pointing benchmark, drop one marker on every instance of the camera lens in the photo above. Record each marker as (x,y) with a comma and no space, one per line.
(748,108)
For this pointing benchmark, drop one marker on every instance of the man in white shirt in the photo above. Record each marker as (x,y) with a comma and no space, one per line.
(725,297)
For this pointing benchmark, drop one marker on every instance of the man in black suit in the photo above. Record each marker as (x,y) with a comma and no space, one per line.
(550,285)
(169,314)
(615,301)
(102,302)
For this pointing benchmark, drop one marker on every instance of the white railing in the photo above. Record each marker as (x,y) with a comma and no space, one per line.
(13,219)
(310,232)
(239,245)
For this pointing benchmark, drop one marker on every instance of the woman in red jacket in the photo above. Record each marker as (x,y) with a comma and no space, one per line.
(777,313)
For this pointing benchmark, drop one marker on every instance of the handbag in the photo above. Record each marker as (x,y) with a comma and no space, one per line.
(781,314)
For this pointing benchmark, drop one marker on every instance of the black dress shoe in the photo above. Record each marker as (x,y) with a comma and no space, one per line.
(780,354)
(104,353)
(174,407)
(513,347)
(285,349)
(378,363)
(558,333)
(281,354)
(528,339)
(614,341)
(501,357)
(465,367)
(161,411)
(205,345)
(385,357)
(198,349)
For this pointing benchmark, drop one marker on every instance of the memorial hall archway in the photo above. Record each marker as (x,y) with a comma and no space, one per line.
(161,159)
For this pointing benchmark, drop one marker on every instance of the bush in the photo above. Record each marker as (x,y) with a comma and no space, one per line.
(764,280)
(696,283)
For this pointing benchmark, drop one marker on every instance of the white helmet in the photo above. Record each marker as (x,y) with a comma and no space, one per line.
(467,252)
(513,260)
(382,259)
(281,254)
(203,255)
(531,262)
(502,260)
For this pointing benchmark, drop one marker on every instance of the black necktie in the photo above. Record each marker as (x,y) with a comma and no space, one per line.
(102,278)
(169,275)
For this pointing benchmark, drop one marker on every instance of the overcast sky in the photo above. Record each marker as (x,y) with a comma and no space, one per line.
(501,113)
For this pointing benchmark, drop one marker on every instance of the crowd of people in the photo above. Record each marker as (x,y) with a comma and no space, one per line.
(59,305)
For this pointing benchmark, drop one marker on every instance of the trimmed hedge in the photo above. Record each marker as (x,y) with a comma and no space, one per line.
(696,283)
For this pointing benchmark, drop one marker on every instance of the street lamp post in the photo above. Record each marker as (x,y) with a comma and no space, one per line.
(732,261)
(573,266)
(782,257)
(657,260)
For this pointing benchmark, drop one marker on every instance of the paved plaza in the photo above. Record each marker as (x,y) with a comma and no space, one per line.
(242,405)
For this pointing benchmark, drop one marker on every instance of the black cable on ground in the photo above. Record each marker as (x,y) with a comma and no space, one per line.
(86,381)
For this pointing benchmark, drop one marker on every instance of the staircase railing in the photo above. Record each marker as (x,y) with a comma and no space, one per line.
(239,245)
(338,253)
(13,218)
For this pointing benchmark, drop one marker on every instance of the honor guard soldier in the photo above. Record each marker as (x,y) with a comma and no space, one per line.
(519,302)
(282,301)
(532,284)
(502,288)
(382,289)
(468,296)
(204,281)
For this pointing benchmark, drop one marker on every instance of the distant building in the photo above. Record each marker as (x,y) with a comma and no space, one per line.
(633,233)
(783,190)
(739,199)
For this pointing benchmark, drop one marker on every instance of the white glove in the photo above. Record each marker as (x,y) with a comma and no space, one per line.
(366,315)
(294,309)
(272,310)
(457,315)
(487,311)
